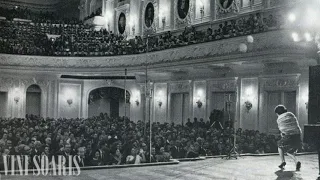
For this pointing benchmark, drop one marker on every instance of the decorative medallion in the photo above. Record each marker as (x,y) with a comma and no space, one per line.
(122,23)
(149,15)
(183,8)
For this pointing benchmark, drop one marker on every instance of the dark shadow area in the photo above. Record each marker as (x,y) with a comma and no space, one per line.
(290,175)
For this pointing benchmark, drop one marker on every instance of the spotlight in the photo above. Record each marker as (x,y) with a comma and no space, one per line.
(308,36)
(292,17)
(295,36)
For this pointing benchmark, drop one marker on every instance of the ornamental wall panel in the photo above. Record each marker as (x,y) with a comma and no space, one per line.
(183,13)
(150,24)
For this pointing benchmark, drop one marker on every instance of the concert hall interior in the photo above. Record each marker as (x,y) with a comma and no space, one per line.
(147,81)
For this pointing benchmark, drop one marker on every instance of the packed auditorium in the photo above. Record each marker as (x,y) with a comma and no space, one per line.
(160,84)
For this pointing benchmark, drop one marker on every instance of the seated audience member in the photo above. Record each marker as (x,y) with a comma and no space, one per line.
(81,157)
(163,156)
(135,158)
(152,158)
(192,153)
(115,157)
(96,160)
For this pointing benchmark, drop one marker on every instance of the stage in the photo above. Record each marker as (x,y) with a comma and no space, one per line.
(245,168)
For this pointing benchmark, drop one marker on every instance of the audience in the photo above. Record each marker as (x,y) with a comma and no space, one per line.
(50,35)
(103,140)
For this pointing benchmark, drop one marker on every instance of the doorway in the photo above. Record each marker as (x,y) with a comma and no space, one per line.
(287,98)
(33,100)
(224,102)
(110,100)
(180,108)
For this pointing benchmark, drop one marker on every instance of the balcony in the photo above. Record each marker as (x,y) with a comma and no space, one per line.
(273,44)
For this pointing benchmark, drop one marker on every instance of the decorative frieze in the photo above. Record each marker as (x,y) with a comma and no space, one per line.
(179,87)
(281,82)
(223,85)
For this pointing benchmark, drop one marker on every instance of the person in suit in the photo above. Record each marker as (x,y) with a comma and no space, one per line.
(88,154)
(96,160)
(81,156)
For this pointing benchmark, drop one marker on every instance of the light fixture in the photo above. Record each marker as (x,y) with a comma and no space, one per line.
(248,105)
(201,10)
(162,16)
(163,22)
(137,102)
(16,93)
(243,48)
(305,99)
(249,39)
(198,96)
(199,103)
(159,97)
(249,99)
(69,95)
(16,99)
(295,36)
(132,25)
(133,29)
(292,17)
(308,36)
(69,101)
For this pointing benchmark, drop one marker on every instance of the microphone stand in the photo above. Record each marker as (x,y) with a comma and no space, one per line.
(233,153)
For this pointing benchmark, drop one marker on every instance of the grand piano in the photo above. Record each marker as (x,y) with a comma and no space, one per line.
(312,129)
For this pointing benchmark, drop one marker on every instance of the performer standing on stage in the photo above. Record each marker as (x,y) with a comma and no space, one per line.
(290,131)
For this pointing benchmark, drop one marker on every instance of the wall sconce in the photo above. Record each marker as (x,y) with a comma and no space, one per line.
(69,101)
(199,103)
(305,99)
(133,29)
(137,102)
(198,96)
(249,97)
(159,96)
(16,99)
(16,93)
(202,12)
(69,95)
(248,105)
(163,22)
(307,105)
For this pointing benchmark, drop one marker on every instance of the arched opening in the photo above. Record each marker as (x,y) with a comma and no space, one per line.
(110,100)
(33,100)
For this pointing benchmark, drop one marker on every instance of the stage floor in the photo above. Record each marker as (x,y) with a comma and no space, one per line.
(245,168)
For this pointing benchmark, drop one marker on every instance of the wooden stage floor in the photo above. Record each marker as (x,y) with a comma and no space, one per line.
(245,168)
